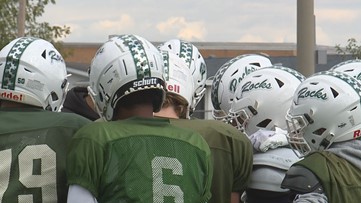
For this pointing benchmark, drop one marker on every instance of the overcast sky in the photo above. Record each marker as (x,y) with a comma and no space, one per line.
(204,20)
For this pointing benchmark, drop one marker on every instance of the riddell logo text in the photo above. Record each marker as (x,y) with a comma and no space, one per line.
(356,134)
(12,96)
(173,88)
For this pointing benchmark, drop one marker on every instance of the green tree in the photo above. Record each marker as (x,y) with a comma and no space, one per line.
(34,9)
(352,48)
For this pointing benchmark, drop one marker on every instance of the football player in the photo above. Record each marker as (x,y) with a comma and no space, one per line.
(133,157)
(34,136)
(230,149)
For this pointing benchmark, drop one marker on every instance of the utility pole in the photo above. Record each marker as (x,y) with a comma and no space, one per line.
(306,40)
(21,18)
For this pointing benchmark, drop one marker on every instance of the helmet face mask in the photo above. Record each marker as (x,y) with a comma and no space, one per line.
(242,117)
(228,77)
(325,110)
(123,65)
(33,73)
(219,114)
(295,136)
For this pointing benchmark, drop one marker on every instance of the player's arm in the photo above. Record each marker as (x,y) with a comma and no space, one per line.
(235,197)
(242,163)
(78,194)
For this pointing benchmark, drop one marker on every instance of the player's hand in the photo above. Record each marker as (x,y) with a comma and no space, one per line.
(263,140)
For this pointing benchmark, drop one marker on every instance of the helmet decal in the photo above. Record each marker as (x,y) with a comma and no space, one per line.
(318,94)
(13,61)
(250,85)
(186,52)
(235,81)
(139,56)
(232,84)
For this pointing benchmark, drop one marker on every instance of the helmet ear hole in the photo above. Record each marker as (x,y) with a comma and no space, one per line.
(334,92)
(44,54)
(65,82)
(264,123)
(54,96)
(100,96)
(25,69)
(279,82)
(319,131)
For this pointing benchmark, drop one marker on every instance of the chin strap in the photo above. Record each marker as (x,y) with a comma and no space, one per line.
(327,141)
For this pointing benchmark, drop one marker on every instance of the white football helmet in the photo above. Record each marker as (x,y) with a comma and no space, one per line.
(263,97)
(121,66)
(227,78)
(177,75)
(33,72)
(350,67)
(194,60)
(325,109)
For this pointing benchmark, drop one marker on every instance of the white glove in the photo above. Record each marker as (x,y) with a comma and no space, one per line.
(263,140)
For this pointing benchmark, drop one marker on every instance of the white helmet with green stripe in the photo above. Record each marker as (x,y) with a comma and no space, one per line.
(121,66)
(263,97)
(326,109)
(228,76)
(33,72)
(350,67)
(178,77)
(195,62)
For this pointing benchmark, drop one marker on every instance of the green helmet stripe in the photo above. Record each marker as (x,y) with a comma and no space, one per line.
(186,52)
(165,55)
(353,82)
(295,73)
(140,58)
(13,61)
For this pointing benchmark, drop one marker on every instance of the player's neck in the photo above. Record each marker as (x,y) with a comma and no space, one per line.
(90,102)
(144,110)
(10,104)
(167,112)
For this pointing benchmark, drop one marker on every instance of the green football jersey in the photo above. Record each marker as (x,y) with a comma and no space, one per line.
(33,146)
(140,160)
(232,155)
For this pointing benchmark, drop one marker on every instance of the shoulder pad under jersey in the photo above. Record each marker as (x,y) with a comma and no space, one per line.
(301,180)
(281,158)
